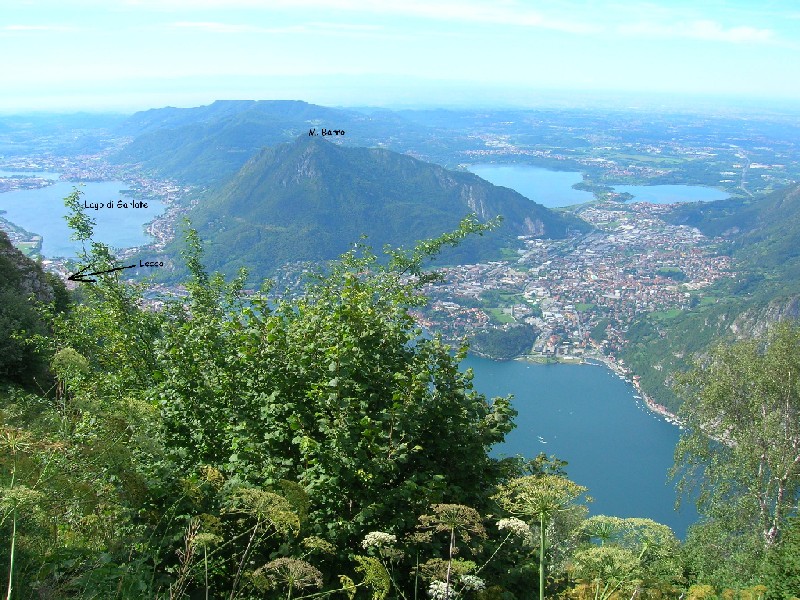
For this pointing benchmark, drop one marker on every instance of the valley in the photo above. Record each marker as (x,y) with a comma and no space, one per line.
(584,280)
(400,300)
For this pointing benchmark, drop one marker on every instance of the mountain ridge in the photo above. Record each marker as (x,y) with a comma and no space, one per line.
(208,144)
(311,199)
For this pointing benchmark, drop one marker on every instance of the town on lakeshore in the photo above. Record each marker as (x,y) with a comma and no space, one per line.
(82,169)
(632,263)
(578,294)
(581,293)
(570,299)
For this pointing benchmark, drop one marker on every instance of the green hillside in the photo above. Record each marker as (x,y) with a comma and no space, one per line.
(237,445)
(317,443)
(310,200)
(23,286)
(208,144)
(763,235)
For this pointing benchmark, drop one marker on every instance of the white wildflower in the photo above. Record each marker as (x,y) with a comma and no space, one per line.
(437,590)
(379,539)
(515,526)
(473,583)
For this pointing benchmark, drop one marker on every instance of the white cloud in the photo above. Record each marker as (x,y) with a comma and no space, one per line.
(214,27)
(315,28)
(700,30)
(26,28)
(509,13)
(358,27)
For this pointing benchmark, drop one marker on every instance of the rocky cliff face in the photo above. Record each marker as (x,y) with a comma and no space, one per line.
(22,274)
(755,322)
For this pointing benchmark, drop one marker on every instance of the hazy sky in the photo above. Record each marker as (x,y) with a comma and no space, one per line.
(133,54)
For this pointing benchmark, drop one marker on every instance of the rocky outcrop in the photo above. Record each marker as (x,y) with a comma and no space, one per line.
(22,274)
(755,321)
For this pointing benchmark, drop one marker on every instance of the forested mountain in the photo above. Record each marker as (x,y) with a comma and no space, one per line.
(310,200)
(208,144)
(763,238)
(23,285)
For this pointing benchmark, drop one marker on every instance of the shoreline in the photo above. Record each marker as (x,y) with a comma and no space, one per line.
(633,379)
(651,404)
(158,231)
(620,371)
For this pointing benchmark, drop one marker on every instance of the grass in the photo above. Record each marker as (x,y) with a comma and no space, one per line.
(665,315)
(28,248)
(514,298)
(612,224)
(583,306)
(509,253)
(498,316)
(504,298)
(647,158)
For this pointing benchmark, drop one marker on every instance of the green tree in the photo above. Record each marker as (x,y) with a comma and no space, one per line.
(742,410)
(70,498)
(107,325)
(782,565)
(336,389)
(329,405)
(539,498)
(721,554)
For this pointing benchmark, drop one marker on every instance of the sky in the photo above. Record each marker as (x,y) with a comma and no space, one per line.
(126,55)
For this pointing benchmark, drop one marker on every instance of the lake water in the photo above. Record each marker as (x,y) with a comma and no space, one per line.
(42,212)
(554,188)
(668,194)
(549,188)
(42,174)
(589,417)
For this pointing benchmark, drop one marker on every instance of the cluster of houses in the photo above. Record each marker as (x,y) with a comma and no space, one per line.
(633,262)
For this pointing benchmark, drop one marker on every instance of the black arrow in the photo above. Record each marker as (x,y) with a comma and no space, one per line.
(81,276)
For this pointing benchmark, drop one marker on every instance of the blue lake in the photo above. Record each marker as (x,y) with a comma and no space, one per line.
(42,212)
(548,188)
(589,417)
(43,174)
(553,189)
(668,194)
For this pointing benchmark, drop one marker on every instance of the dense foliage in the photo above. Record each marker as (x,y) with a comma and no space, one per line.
(742,410)
(24,286)
(259,445)
(336,390)
(289,420)
(504,343)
